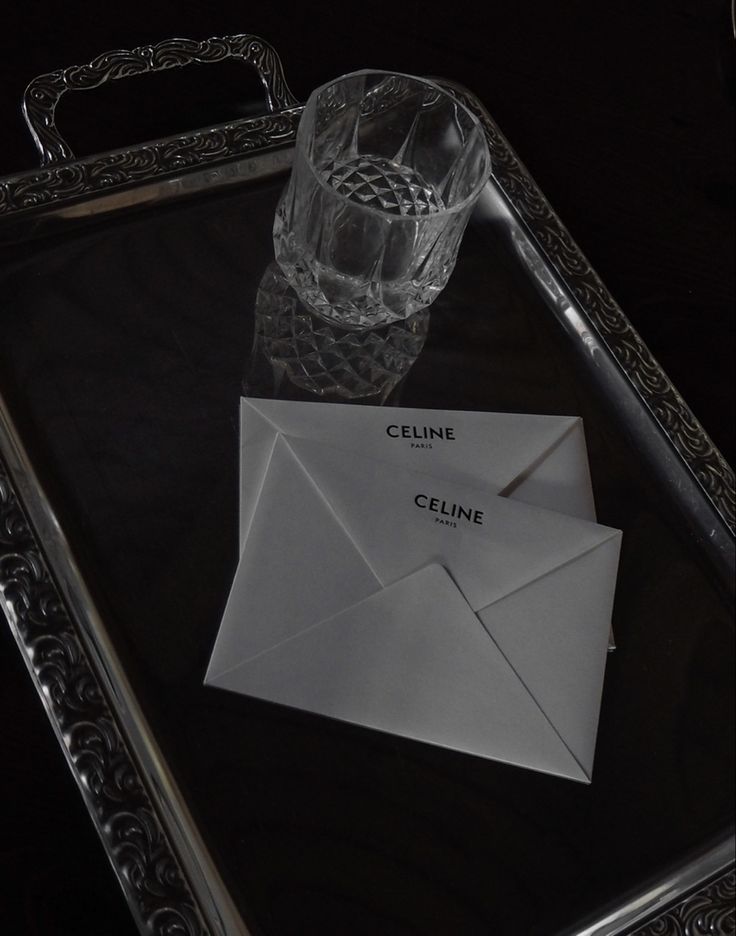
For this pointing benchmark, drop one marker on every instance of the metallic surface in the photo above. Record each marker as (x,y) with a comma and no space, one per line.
(708,910)
(70,683)
(153,845)
(43,94)
(138,812)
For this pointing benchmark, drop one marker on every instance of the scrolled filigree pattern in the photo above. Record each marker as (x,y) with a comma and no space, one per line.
(44,93)
(93,743)
(709,912)
(159,159)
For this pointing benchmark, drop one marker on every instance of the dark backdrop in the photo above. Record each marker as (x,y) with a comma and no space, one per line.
(624,114)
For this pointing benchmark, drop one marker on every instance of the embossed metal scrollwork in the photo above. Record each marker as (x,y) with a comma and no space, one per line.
(708,912)
(43,94)
(149,872)
(146,162)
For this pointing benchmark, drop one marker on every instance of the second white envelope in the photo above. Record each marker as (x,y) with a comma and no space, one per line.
(421,607)
(540,460)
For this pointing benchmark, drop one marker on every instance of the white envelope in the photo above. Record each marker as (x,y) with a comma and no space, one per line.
(540,460)
(420,607)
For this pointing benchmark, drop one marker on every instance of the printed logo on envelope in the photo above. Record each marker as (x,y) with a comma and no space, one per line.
(420,436)
(449,512)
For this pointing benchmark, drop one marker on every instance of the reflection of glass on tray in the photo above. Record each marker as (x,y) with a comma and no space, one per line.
(321,357)
(386,171)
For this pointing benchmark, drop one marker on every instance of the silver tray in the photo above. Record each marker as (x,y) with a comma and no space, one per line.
(106,319)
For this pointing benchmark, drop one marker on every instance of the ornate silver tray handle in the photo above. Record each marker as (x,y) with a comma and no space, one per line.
(44,93)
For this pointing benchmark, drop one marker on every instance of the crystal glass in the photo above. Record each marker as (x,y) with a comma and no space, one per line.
(386,171)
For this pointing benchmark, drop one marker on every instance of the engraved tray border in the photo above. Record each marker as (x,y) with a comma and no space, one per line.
(143,827)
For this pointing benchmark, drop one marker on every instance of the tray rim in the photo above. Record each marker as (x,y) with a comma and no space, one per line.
(156,172)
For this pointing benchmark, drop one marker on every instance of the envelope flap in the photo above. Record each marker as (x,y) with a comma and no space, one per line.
(298,566)
(559,477)
(414,660)
(558,647)
(400,518)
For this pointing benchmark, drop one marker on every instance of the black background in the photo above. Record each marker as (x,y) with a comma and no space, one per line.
(622,112)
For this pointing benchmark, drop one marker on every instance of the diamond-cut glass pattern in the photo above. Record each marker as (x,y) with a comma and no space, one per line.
(383,184)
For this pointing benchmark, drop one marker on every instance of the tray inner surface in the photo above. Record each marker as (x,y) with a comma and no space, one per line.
(124,354)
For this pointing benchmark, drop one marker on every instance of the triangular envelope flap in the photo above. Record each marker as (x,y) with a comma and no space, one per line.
(299,566)
(389,513)
(485,450)
(559,479)
(413,660)
(558,646)
(261,420)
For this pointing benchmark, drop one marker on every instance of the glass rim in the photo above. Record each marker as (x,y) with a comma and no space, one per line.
(455,209)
